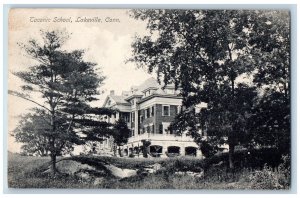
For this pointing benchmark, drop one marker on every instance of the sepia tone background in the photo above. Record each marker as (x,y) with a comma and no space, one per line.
(106,43)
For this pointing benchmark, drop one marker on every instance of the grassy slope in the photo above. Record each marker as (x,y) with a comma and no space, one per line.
(25,172)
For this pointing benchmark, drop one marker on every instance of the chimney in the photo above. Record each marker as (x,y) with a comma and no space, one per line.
(112,92)
(125,93)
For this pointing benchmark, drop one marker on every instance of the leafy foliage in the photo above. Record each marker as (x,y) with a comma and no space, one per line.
(120,132)
(270,121)
(35,132)
(206,53)
(269,179)
(66,84)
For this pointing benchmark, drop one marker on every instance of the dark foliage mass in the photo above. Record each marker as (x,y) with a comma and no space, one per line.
(236,61)
(66,84)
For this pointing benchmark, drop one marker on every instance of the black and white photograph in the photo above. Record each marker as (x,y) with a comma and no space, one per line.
(149,99)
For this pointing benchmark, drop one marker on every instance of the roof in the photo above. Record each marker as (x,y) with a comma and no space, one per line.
(119,99)
(159,95)
(151,82)
(137,91)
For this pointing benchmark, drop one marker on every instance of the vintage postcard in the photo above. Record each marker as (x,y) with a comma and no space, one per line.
(149,99)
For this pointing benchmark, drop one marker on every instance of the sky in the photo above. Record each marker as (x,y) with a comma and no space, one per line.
(107,43)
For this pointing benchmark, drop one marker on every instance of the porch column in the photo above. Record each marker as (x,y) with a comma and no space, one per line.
(164,150)
(117,116)
(136,122)
(182,151)
(199,153)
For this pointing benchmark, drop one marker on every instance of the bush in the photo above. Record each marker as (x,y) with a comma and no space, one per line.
(172,154)
(265,179)
(285,171)
(207,149)
(269,179)
(131,155)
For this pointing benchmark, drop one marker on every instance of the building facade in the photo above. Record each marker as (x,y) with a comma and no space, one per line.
(148,110)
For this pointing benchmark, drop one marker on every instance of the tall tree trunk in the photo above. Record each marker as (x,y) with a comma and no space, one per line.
(120,153)
(52,140)
(231,135)
(230,156)
(53,163)
(115,149)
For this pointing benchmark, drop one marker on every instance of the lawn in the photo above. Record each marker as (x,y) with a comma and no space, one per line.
(28,172)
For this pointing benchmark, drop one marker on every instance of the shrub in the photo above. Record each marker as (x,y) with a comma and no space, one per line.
(265,179)
(131,155)
(269,179)
(146,144)
(285,171)
(208,149)
(172,154)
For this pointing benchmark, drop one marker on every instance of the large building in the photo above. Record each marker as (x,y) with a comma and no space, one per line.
(148,110)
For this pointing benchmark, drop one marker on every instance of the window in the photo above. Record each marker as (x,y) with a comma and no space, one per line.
(165,126)
(153,129)
(165,110)
(141,118)
(143,130)
(161,128)
(132,116)
(169,91)
(178,109)
(152,111)
(171,131)
(126,118)
(148,112)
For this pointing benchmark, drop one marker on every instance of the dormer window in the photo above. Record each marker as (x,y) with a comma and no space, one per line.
(109,103)
(149,91)
(169,91)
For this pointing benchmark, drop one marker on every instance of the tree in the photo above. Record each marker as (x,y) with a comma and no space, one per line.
(30,131)
(270,122)
(204,52)
(217,122)
(34,130)
(145,147)
(65,83)
(270,44)
(120,134)
(214,120)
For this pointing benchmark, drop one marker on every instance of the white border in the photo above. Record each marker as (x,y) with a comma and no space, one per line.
(128,2)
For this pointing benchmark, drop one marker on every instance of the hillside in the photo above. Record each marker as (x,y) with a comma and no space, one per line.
(127,173)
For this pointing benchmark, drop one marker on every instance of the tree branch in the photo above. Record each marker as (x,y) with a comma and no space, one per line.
(14,93)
